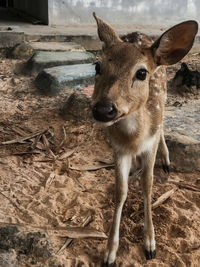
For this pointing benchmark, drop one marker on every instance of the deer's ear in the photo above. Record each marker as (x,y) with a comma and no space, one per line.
(175,43)
(106,32)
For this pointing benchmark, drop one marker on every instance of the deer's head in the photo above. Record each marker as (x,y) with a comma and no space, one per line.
(122,75)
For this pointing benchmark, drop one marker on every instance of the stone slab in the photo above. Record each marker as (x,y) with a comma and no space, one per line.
(43,59)
(56,46)
(10,38)
(182,134)
(27,49)
(52,80)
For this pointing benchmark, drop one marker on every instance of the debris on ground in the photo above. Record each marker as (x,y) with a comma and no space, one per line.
(57,174)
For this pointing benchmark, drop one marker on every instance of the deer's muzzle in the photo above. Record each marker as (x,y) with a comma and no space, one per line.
(104,111)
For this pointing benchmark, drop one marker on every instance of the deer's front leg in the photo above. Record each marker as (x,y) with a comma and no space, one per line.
(123,165)
(146,184)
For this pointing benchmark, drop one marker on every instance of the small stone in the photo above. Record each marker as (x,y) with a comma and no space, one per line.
(23,50)
(198,181)
(14,81)
(8,258)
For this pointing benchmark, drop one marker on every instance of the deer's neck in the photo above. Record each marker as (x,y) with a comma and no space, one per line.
(127,134)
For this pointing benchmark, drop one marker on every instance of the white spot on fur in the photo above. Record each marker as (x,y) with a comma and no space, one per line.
(158,106)
(129,124)
(147,144)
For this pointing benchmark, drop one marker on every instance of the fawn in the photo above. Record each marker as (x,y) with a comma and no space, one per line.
(129,98)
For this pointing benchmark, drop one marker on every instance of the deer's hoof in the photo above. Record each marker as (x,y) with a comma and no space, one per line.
(105,264)
(165,168)
(150,254)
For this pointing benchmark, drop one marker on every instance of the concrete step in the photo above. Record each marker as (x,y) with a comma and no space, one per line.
(182,134)
(27,49)
(52,80)
(43,59)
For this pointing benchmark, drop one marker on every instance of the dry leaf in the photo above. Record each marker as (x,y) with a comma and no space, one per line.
(90,167)
(63,141)
(158,202)
(163,197)
(50,179)
(68,241)
(67,154)
(78,232)
(71,232)
(22,139)
(47,146)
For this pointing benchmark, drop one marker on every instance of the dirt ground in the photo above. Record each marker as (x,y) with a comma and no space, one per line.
(41,186)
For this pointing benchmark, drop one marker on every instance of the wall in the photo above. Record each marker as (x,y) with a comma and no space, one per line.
(36,8)
(162,12)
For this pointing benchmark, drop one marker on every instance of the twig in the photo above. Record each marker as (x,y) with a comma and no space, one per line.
(35,142)
(71,232)
(158,202)
(67,154)
(68,241)
(163,198)
(47,146)
(22,139)
(13,203)
(90,167)
(50,179)
(189,187)
(19,131)
(21,153)
(63,141)
(185,186)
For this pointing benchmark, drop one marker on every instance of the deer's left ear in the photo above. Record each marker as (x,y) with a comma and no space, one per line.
(175,43)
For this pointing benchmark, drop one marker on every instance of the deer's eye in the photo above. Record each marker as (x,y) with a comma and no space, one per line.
(97,68)
(141,74)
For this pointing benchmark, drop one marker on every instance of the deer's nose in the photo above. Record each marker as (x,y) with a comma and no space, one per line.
(104,111)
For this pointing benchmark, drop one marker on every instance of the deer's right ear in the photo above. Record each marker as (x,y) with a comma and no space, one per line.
(175,43)
(106,32)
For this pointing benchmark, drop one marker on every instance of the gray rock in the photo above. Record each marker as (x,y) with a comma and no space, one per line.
(77,107)
(184,152)
(43,59)
(33,246)
(8,258)
(51,81)
(182,136)
(23,50)
(10,38)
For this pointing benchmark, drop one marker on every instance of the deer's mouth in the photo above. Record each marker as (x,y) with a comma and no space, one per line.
(110,123)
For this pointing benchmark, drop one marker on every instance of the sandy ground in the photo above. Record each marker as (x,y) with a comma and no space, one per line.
(38,191)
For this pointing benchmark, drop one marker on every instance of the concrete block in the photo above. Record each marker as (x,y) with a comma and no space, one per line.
(182,136)
(10,38)
(52,80)
(56,46)
(43,59)
(27,49)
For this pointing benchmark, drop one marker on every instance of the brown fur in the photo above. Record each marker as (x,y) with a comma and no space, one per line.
(137,128)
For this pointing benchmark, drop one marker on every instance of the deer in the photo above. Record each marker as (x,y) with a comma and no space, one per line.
(128,100)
